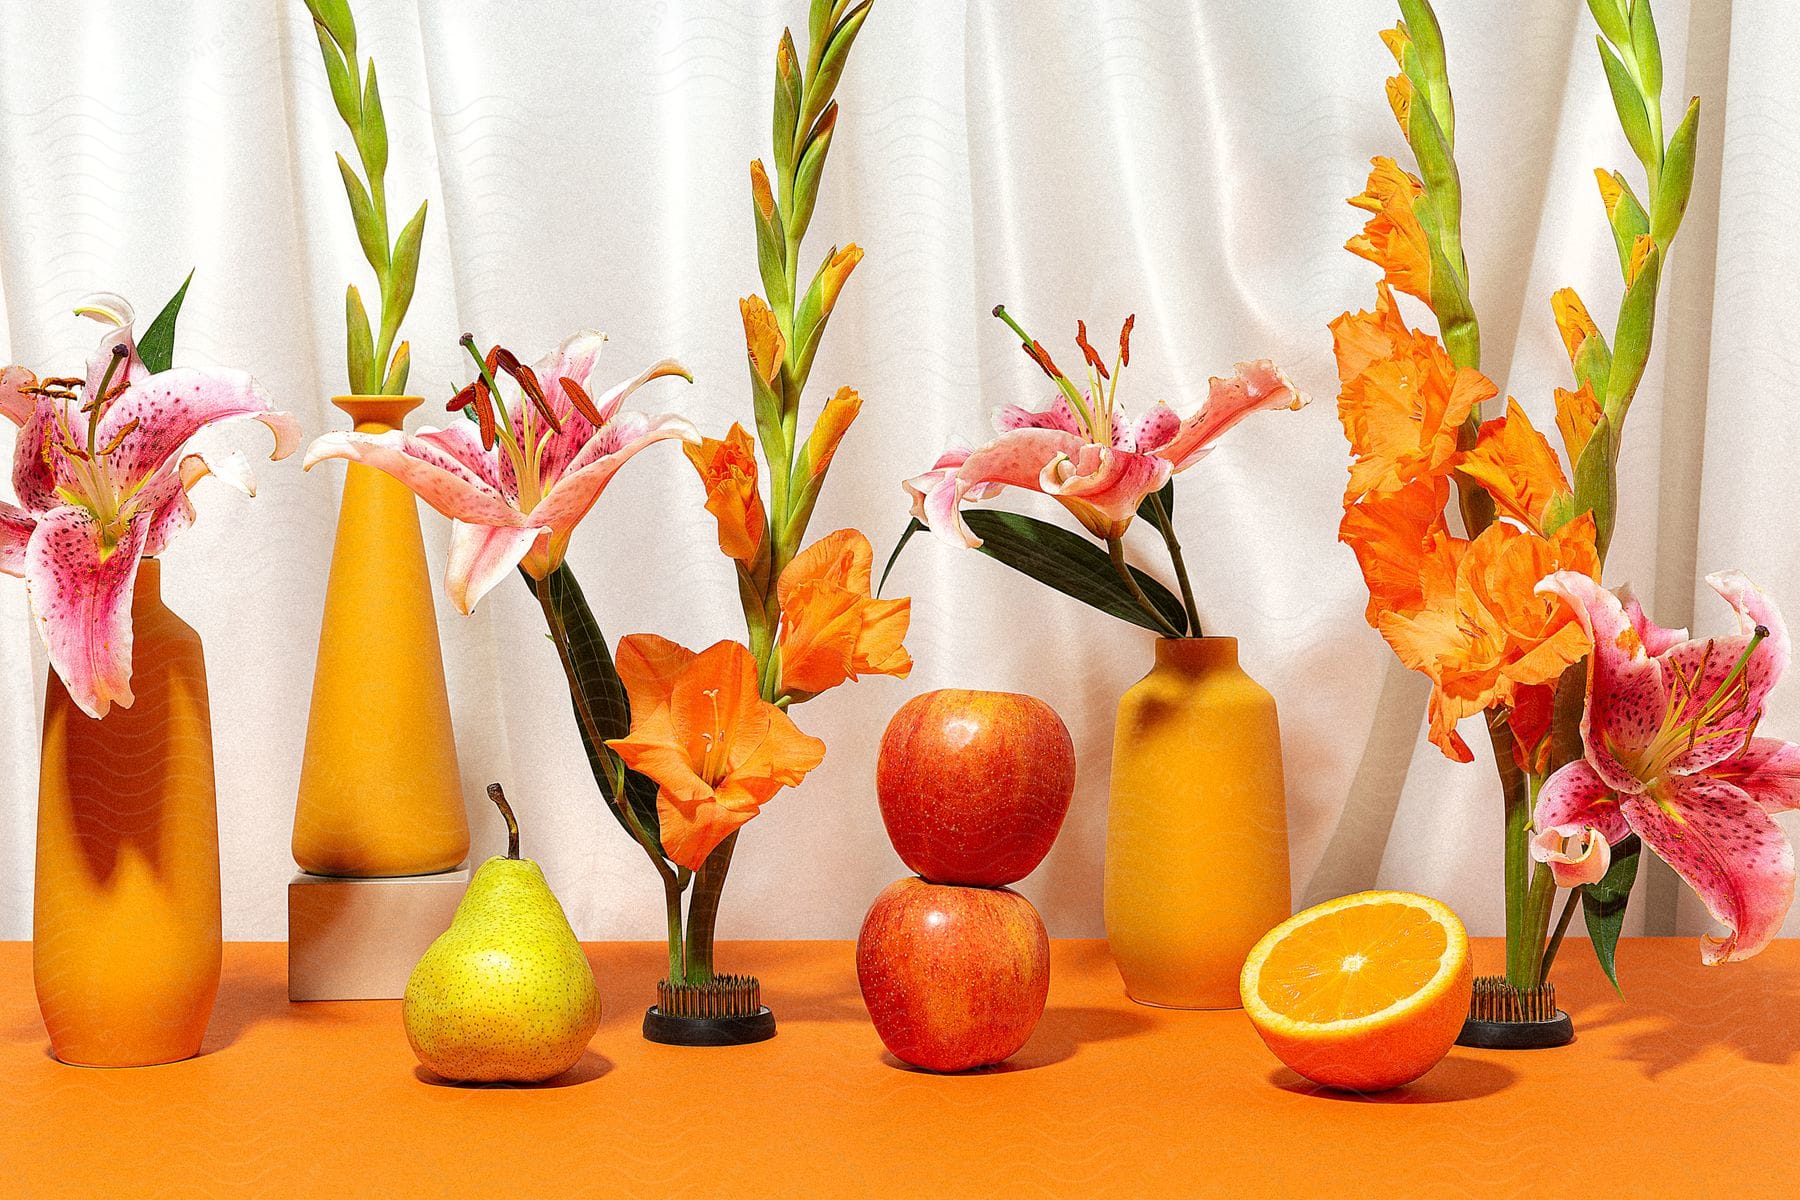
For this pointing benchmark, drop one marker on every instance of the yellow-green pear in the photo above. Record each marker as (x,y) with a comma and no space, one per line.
(504,994)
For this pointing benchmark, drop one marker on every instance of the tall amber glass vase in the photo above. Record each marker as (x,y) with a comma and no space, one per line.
(380,793)
(1196,839)
(125,926)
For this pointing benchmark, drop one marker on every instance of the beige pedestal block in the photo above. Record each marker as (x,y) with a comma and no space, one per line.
(357,939)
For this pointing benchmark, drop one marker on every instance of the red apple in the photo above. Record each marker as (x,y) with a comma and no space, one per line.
(974,785)
(954,977)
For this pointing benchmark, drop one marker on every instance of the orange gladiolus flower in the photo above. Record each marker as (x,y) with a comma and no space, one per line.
(1516,466)
(1402,400)
(703,732)
(1392,238)
(1495,634)
(728,469)
(831,628)
(1406,553)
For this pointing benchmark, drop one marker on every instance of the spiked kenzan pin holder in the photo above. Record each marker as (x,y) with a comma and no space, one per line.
(726,1011)
(1502,1017)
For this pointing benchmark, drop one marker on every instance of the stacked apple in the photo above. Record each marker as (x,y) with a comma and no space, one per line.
(954,965)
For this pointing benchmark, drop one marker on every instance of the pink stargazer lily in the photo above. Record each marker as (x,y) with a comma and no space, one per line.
(1672,757)
(103,482)
(1083,451)
(515,488)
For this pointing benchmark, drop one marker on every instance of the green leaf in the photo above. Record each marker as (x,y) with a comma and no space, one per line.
(602,709)
(372,137)
(1634,118)
(818,29)
(334,17)
(398,370)
(1677,180)
(1647,50)
(362,213)
(1603,903)
(1596,481)
(359,344)
(1593,362)
(1427,37)
(1147,507)
(405,275)
(787,114)
(806,177)
(1065,561)
(771,254)
(1629,221)
(341,79)
(157,346)
(1631,341)
(823,83)
(1609,15)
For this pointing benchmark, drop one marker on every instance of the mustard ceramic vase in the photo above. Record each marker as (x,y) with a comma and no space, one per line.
(380,793)
(1196,839)
(125,924)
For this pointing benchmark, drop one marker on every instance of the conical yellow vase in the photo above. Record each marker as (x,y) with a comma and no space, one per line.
(380,793)
(1196,834)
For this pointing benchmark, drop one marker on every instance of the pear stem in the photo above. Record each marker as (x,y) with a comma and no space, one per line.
(498,796)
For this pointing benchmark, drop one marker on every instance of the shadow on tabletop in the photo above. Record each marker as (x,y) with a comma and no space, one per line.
(1061,1032)
(1456,1078)
(1677,1020)
(591,1067)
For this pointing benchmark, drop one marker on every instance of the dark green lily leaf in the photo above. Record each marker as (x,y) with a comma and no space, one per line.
(1065,561)
(1603,904)
(602,709)
(157,347)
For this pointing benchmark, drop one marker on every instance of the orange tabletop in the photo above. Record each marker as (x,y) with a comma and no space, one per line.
(1690,1087)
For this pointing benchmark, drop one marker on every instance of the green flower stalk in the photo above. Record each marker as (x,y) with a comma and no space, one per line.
(376,366)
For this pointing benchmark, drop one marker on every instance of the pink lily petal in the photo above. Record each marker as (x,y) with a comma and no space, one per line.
(1696,669)
(34,473)
(1575,795)
(1589,862)
(574,495)
(1153,430)
(1058,416)
(15,533)
(1103,486)
(115,312)
(1255,386)
(1015,459)
(462,441)
(434,474)
(15,405)
(1731,852)
(1656,639)
(1627,693)
(480,557)
(81,598)
(1767,770)
(165,411)
(575,447)
(175,512)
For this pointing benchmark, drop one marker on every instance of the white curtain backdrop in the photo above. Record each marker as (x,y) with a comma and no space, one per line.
(586,166)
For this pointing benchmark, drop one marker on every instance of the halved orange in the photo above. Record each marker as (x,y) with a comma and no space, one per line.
(1366,992)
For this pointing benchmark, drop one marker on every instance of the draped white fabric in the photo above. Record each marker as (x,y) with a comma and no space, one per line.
(586,166)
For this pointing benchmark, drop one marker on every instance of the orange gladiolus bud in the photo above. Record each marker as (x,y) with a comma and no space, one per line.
(763,338)
(728,469)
